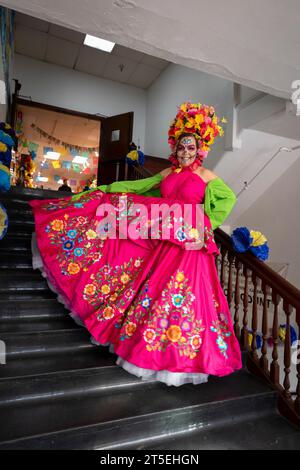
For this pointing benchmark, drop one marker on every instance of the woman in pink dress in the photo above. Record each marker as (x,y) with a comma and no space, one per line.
(156,301)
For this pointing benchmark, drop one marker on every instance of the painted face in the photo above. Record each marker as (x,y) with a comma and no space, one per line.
(186,150)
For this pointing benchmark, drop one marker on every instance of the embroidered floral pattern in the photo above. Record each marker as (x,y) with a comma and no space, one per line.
(68,202)
(112,285)
(215,302)
(221,328)
(74,239)
(168,322)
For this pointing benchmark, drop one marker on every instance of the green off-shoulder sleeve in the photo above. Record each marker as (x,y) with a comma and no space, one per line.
(143,186)
(218,202)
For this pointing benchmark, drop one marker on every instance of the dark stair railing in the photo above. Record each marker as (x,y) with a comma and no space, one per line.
(137,172)
(254,271)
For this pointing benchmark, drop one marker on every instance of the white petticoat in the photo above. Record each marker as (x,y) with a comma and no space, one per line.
(169,378)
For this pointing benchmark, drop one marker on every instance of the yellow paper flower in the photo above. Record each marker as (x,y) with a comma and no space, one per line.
(199,119)
(258,238)
(190,124)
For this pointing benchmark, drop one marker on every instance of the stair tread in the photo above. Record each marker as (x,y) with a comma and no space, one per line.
(28,194)
(272,432)
(74,360)
(13,310)
(266,430)
(55,381)
(118,408)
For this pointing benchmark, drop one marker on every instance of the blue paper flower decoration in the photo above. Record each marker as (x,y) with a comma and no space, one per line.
(6,139)
(241,239)
(244,239)
(282,333)
(258,339)
(135,156)
(261,252)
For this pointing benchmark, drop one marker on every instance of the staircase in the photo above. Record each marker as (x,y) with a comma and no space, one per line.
(59,391)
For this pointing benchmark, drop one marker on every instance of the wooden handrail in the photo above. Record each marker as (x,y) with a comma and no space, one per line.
(284,288)
(281,290)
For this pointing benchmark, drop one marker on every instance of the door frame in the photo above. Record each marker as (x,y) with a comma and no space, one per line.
(35,104)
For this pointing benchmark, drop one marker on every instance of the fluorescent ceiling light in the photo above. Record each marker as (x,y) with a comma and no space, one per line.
(98,43)
(79,159)
(52,155)
(44,179)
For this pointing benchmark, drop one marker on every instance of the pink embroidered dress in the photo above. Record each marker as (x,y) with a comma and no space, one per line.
(159,306)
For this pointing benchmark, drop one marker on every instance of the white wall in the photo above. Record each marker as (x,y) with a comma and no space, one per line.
(276,214)
(175,85)
(59,86)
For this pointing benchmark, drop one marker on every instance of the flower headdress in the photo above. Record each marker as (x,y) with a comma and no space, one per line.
(199,120)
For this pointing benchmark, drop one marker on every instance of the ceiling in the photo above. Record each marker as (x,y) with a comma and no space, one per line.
(55,44)
(251,43)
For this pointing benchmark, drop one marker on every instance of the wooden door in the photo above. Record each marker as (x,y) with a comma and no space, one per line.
(116,135)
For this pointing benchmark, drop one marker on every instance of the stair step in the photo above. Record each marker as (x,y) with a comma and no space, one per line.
(48,351)
(14,203)
(22,281)
(28,194)
(17,210)
(33,316)
(15,243)
(109,408)
(15,260)
(17,227)
(258,431)
(37,326)
(31,310)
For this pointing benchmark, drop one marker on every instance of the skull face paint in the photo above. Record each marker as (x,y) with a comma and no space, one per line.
(186,151)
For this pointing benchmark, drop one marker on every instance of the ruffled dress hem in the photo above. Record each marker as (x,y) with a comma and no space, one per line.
(167,377)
